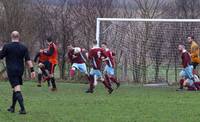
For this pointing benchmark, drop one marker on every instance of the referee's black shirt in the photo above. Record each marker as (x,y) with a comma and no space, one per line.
(15,54)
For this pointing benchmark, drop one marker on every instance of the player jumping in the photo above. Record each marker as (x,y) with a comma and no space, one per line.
(110,63)
(96,56)
(52,54)
(77,59)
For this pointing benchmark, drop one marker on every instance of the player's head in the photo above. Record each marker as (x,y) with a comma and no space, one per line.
(104,45)
(94,43)
(70,47)
(190,38)
(49,40)
(15,36)
(181,47)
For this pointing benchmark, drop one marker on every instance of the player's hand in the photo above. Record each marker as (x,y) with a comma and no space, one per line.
(74,56)
(33,75)
(41,51)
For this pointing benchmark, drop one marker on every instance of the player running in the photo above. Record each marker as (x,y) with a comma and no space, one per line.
(52,53)
(110,63)
(77,59)
(42,61)
(186,74)
(96,56)
(194,53)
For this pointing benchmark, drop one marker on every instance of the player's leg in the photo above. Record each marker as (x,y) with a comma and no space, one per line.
(195,71)
(190,85)
(39,77)
(107,85)
(16,81)
(104,81)
(46,67)
(83,69)
(182,74)
(14,100)
(20,99)
(189,75)
(91,82)
(110,74)
(52,78)
(72,70)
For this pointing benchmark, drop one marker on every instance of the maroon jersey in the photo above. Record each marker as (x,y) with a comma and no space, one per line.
(185,59)
(76,57)
(110,58)
(96,56)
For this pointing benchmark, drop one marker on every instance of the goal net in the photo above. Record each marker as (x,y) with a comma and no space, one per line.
(147,49)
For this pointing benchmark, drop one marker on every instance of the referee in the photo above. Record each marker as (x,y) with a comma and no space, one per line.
(15,54)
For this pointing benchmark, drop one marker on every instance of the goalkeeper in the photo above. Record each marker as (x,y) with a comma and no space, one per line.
(194,53)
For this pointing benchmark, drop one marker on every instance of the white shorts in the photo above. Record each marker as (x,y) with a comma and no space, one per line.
(109,70)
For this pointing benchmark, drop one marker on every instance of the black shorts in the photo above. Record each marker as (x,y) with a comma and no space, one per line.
(49,66)
(15,80)
(194,64)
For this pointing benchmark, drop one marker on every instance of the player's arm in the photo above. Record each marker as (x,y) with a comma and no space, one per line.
(49,52)
(36,57)
(3,52)
(195,51)
(30,64)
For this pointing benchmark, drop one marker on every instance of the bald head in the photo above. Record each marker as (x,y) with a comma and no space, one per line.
(15,36)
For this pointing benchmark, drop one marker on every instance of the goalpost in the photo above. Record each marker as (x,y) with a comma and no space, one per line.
(99,20)
(147,48)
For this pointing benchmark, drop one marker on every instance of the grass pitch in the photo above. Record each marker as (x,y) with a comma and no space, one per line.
(127,104)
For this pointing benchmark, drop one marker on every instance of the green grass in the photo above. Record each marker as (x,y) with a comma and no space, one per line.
(127,104)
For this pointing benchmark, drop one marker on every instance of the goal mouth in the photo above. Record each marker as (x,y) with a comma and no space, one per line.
(147,49)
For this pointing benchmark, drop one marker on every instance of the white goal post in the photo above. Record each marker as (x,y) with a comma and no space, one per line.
(99,20)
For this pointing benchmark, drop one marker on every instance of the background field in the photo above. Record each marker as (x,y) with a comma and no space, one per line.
(127,104)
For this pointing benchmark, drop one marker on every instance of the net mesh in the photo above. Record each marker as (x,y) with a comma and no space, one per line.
(148,51)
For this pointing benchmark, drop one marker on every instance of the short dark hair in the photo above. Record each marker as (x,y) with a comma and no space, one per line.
(104,43)
(191,36)
(49,39)
(95,42)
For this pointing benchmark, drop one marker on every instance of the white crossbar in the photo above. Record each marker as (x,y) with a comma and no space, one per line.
(137,20)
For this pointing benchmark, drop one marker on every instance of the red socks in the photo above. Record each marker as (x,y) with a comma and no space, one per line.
(71,72)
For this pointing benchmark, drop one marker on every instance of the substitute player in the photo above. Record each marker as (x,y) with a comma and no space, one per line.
(15,53)
(52,54)
(110,63)
(77,59)
(96,56)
